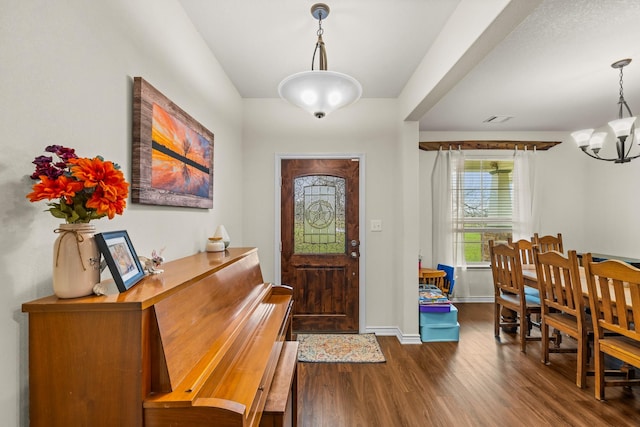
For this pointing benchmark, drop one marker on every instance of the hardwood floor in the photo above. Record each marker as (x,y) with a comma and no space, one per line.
(478,381)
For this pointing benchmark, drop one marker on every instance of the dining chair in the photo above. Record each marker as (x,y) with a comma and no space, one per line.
(562,306)
(548,243)
(429,276)
(614,298)
(526,258)
(449,280)
(509,292)
(526,250)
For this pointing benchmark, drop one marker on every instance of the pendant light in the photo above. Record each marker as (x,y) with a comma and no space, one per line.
(591,141)
(320,91)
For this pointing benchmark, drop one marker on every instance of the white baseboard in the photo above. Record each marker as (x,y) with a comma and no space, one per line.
(394,331)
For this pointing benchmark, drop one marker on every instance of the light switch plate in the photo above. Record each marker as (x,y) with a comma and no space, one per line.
(376,225)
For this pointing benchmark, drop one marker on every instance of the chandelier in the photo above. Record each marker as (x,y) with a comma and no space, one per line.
(321,91)
(591,141)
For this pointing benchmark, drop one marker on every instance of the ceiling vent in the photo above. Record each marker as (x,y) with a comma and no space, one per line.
(497,119)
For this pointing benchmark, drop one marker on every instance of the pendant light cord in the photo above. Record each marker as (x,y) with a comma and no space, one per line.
(621,100)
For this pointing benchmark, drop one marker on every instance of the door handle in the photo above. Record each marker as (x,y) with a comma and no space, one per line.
(354,254)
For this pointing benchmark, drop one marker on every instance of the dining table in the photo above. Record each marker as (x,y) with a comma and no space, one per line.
(530,278)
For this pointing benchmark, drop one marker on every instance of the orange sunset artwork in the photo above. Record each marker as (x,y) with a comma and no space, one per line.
(180,157)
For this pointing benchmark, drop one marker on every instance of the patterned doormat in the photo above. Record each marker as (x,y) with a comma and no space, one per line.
(339,348)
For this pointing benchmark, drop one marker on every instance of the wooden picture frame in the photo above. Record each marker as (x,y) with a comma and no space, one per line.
(172,158)
(121,257)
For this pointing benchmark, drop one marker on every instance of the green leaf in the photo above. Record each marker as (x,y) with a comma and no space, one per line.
(57,213)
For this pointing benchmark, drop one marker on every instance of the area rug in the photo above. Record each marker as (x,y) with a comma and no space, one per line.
(339,348)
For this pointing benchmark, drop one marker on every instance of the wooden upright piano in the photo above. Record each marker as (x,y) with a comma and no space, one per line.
(206,343)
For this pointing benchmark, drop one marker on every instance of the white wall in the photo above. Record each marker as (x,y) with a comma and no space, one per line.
(368,127)
(67,71)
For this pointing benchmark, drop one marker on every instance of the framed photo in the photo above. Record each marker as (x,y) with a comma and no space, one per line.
(172,159)
(118,252)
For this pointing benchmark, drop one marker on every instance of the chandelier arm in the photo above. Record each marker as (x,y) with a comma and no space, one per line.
(627,107)
(595,156)
(631,144)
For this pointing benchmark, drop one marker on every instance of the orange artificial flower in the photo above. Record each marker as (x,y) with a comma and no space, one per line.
(95,171)
(49,189)
(109,200)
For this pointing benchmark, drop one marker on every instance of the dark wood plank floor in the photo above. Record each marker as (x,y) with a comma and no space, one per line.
(477,382)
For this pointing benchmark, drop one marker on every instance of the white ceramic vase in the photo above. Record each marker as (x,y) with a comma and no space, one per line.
(76,261)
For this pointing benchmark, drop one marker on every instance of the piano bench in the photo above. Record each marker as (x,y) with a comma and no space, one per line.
(280,409)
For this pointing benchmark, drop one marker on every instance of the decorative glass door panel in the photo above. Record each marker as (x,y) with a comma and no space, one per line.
(319,215)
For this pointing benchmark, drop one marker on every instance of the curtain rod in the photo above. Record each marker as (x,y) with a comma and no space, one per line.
(487,145)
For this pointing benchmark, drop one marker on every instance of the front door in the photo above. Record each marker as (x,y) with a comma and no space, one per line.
(320,242)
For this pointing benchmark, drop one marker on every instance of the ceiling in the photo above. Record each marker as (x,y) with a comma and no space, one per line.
(551,73)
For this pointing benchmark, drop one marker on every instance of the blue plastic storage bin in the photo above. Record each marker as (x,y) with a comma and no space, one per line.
(439,333)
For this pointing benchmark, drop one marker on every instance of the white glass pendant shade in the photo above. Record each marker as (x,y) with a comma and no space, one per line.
(622,127)
(597,140)
(320,92)
(582,137)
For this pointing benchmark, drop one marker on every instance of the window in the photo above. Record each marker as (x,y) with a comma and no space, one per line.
(482,207)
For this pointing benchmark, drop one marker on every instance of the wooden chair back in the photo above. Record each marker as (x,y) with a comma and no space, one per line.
(562,304)
(433,277)
(614,298)
(506,268)
(526,250)
(559,283)
(509,292)
(548,243)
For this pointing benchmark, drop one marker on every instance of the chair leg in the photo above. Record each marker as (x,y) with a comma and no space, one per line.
(496,319)
(599,372)
(581,361)
(525,327)
(544,329)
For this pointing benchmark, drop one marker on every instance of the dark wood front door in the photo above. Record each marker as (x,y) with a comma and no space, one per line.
(320,242)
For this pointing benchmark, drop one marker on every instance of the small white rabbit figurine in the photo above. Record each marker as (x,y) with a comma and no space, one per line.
(151,264)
